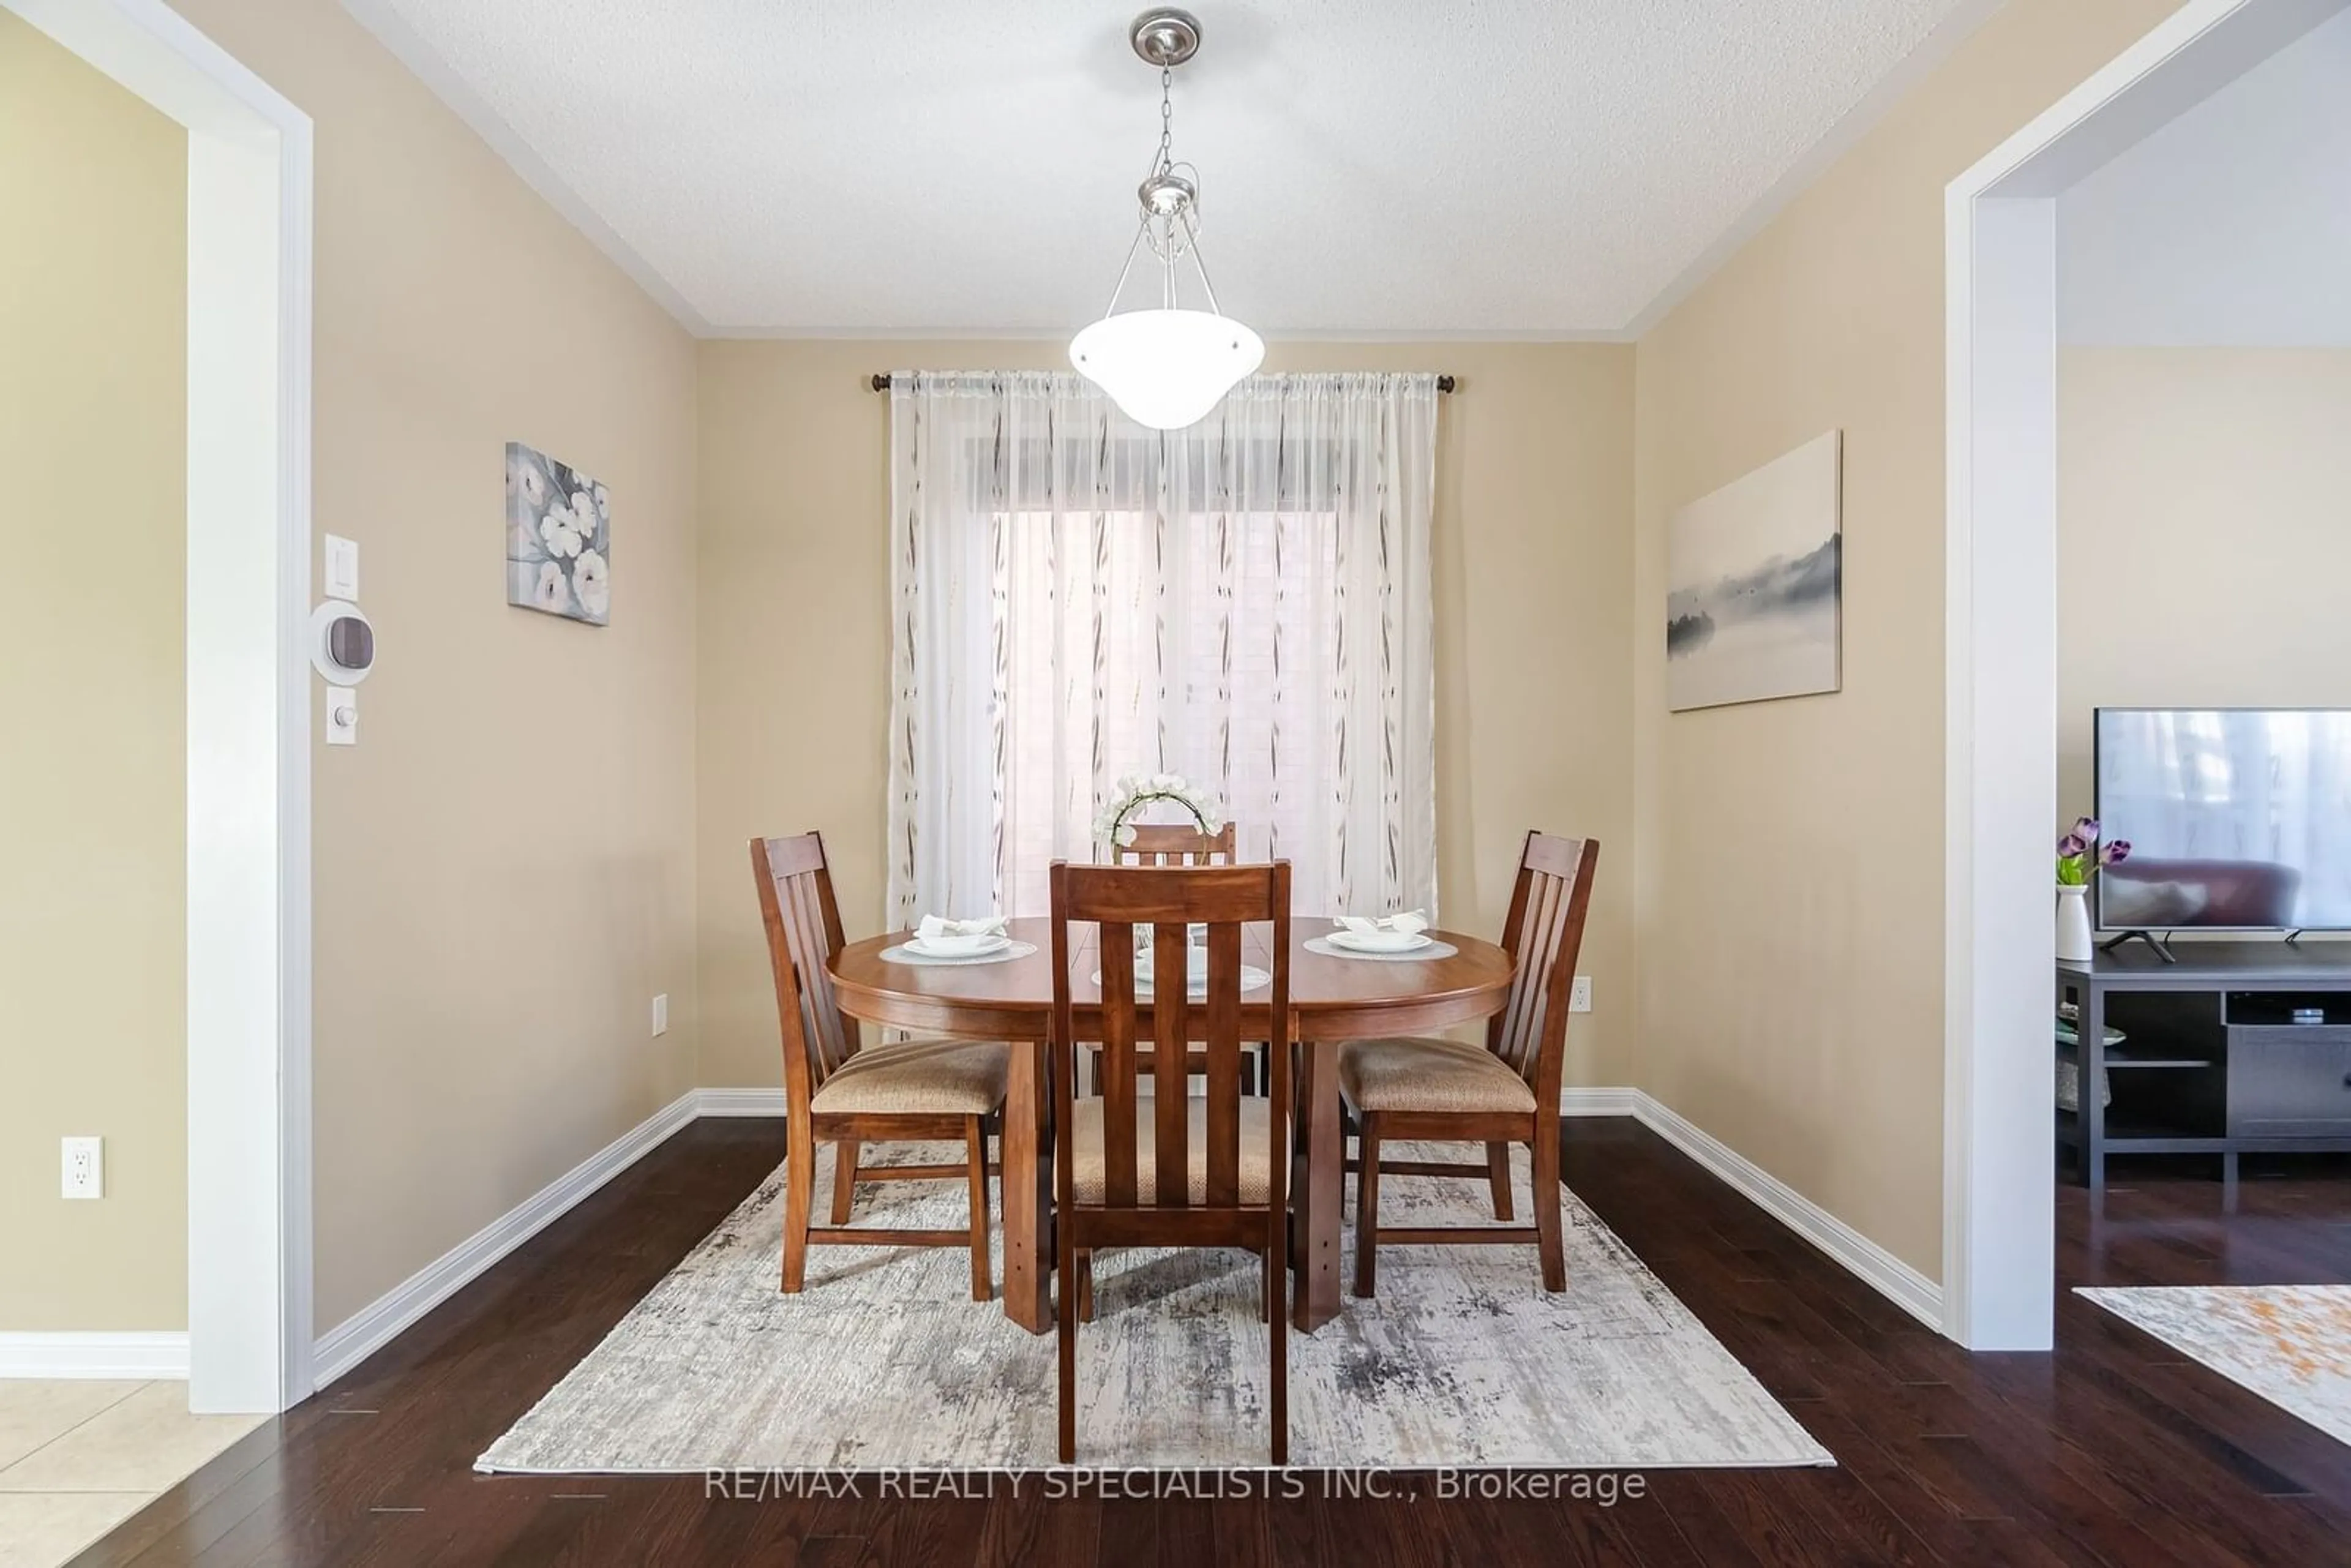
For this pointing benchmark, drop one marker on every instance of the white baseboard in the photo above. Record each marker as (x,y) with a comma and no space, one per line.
(127,1356)
(366,1332)
(741,1102)
(1875,1266)
(361,1335)
(1575,1102)
(1867,1261)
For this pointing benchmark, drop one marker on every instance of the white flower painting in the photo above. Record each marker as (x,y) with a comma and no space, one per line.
(559,537)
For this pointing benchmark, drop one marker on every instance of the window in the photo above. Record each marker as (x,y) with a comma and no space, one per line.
(1245,603)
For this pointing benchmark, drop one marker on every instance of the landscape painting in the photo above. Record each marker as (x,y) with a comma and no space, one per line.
(559,537)
(1755,585)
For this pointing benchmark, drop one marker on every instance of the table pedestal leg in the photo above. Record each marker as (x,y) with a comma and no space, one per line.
(1317,1178)
(1026,1188)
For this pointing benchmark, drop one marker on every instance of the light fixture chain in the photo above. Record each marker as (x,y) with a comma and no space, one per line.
(1166,118)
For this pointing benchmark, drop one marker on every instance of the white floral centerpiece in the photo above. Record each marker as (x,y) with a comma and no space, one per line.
(1111,827)
(1132,793)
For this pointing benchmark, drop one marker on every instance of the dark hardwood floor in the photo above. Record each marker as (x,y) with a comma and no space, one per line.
(2114,1451)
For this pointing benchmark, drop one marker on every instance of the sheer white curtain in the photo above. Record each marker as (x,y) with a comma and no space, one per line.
(1245,602)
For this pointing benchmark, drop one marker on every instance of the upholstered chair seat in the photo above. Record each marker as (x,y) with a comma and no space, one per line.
(1429,1075)
(1088,1165)
(919,1077)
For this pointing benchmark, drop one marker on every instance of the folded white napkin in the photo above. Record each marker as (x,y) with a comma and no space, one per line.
(1410,923)
(934,926)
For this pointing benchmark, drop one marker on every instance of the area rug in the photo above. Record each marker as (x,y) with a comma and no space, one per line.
(2289,1344)
(884,1361)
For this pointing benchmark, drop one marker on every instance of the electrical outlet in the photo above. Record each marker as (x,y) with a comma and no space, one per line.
(661,1014)
(1579,995)
(85,1167)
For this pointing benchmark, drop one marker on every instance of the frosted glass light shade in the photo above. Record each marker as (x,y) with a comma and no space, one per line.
(1166,369)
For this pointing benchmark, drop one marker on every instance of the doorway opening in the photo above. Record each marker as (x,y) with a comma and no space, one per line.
(248,734)
(2001,661)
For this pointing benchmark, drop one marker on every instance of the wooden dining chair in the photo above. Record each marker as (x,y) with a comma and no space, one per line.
(1502,1092)
(1178,843)
(1183,844)
(1170,1169)
(836,1092)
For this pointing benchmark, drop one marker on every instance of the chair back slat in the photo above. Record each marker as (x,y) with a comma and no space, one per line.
(1178,843)
(1544,935)
(1116,900)
(1223,1109)
(803,926)
(1171,1025)
(1116,1073)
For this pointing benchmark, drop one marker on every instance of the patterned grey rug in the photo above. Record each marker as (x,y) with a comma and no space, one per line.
(886,1362)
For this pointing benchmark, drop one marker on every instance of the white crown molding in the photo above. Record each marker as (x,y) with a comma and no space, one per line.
(129,1357)
(1274,336)
(1817,159)
(441,79)
(363,1334)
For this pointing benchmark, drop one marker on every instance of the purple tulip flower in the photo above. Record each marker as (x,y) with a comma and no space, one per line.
(2072,844)
(2117,850)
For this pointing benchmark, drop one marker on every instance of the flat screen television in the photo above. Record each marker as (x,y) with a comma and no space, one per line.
(2239,818)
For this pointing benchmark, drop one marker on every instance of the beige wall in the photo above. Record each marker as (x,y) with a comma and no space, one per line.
(516,856)
(2204,534)
(503,864)
(1790,887)
(1532,564)
(93,442)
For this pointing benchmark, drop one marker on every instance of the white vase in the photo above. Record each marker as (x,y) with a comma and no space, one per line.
(2073,924)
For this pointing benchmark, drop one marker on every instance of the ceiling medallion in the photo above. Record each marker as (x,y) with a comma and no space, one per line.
(1166,366)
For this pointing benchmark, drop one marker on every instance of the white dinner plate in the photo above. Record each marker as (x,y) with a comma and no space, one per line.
(1252,980)
(959,947)
(1381,941)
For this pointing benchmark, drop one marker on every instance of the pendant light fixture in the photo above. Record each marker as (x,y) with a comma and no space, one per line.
(1166,366)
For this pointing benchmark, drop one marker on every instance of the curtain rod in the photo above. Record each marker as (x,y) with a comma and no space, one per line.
(882,381)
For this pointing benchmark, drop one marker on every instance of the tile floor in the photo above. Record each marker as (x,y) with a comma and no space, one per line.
(78,1457)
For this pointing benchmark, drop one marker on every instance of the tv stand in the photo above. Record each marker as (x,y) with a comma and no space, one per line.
(2230,1048)
(2162,951)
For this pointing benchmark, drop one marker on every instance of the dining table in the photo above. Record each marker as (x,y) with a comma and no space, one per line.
(1333,999)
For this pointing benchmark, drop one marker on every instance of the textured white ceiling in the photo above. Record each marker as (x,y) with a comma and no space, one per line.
(1408,167)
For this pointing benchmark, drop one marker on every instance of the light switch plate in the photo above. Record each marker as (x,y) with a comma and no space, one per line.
(342,715)
(661,1013)
(342,568)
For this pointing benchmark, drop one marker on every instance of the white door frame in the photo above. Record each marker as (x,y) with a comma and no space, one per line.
(2000,648)
(248,717)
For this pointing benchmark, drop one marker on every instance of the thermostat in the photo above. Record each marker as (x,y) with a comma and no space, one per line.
(343,642)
